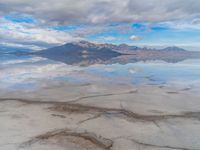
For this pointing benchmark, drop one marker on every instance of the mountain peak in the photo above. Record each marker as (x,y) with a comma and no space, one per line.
(84,43)
(173,48)
(119,48)
(122,48)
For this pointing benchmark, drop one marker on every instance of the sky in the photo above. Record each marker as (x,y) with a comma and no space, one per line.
(42,24)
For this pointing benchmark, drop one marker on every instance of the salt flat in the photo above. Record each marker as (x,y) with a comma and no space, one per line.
(100,116)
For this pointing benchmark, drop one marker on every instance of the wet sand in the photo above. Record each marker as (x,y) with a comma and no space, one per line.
(101,117)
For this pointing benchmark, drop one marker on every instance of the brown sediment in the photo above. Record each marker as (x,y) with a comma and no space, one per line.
(103,95)
(57,115)
(161,146)
(68,101)
(186,89)
(173,92)
(79,108)
(94,141)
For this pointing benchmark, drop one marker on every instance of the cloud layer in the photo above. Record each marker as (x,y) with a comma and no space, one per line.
(102,11)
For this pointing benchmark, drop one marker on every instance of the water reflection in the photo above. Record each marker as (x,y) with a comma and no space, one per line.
(31,72)
(87,58)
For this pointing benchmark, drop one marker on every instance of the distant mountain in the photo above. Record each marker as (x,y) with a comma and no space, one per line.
(85,53)
(74,53)
(173,48)
(122,48)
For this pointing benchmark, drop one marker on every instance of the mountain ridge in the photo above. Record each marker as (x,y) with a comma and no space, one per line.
(123,46)
(84,53)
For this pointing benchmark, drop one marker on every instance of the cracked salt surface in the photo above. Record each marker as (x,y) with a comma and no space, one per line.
(151,123)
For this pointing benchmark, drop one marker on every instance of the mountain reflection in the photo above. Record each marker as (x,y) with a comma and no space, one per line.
(87,60)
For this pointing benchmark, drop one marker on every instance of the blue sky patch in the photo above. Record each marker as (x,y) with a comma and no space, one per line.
(159,28)
(66,28)
(20,19)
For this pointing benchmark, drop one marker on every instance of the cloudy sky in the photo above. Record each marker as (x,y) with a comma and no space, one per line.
(40,24)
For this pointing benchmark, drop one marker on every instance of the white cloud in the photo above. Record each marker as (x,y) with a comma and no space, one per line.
(135,38)
(193,24)
(31,36)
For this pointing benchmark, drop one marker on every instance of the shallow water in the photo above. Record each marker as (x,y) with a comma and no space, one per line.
(27,72)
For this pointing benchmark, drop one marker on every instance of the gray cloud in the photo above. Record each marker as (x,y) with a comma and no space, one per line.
(102,11)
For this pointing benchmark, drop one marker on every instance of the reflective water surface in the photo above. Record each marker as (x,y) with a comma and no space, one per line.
(29,72)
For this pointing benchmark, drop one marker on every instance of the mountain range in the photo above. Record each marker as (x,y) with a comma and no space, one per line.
(74,47)
(85,53)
